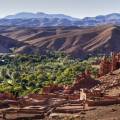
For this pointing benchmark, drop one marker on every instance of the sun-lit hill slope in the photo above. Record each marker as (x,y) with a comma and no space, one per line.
(71,40)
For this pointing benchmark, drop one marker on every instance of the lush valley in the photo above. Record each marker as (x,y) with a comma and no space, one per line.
(26,74)
(48,62)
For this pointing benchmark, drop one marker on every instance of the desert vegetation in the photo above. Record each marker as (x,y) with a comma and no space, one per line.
(24,74)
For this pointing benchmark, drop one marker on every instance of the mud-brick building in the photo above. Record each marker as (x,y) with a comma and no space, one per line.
(109,64)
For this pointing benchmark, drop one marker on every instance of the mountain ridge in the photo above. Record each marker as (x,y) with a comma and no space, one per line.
(48,20)
(28,15)
(75,41)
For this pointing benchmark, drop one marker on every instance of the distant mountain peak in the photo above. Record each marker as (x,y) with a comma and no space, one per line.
(29,15)
(41,19)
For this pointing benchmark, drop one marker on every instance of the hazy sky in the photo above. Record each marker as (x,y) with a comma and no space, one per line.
(75,8)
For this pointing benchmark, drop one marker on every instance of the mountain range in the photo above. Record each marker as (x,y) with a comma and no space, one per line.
(75,41)
(39,19)
(32,33)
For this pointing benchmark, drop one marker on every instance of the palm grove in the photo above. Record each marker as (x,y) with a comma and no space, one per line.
(25,74)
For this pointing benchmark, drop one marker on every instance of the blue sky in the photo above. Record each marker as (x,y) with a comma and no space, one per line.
(75,8)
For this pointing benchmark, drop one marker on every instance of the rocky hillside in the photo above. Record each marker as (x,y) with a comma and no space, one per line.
(110,83)
(6,44)
(75,41)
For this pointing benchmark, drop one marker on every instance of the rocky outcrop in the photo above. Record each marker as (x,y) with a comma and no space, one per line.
(109,64)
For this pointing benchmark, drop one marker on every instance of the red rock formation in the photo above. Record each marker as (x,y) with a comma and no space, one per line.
(76,83)
(113,61)
(83,80)
(105,66)
(109,65)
